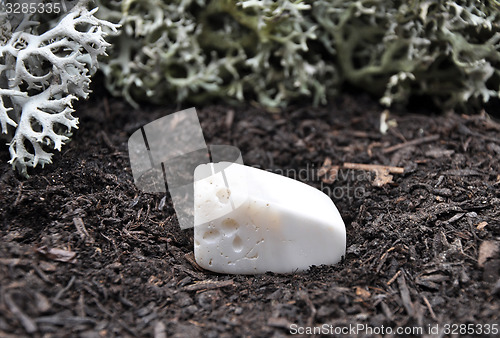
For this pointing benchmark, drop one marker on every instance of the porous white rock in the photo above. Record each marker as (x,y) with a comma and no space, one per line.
(250,221)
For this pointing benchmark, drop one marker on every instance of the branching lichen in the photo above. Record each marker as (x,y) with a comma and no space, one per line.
(41,76)
(448,50)
(235,50)
(278,51)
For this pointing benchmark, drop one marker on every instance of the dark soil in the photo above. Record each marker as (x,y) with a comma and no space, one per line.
(84,253)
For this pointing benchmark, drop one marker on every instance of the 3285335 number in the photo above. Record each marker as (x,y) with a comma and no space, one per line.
(471,329)
(32,7)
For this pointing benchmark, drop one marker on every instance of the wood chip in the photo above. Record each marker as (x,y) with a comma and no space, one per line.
(382,172)
(431,281)
(438,153)
(327,164)
(481,225)
(59,255)
(160,330)
(362,292)
(331,176)
(487,250)
(281,323)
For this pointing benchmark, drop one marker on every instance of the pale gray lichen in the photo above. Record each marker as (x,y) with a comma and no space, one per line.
(197,50)
(41,76)
(278,51)
(447,50)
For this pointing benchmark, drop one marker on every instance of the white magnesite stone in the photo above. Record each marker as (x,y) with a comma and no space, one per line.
(250,221)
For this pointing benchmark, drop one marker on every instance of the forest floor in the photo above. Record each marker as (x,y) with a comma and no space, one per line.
(84,253)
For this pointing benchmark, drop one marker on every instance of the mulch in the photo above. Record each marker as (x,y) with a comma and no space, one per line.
(84,253)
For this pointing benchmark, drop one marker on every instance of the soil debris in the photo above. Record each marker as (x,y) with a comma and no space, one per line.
(416,252)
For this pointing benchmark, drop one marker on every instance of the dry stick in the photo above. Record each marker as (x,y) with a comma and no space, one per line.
(19,194)
(429,307)
(396,275)
(66,288)
(28,323)
(14,261)
(229,119)
(415,142)
(405,295)
(107,141)
(387,311)
(208,285)
(190,258)
(373,167)
(82,231)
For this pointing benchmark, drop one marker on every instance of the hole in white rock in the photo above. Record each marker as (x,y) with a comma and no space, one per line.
(237,244)
(229,226)
(196,243)
(210,262)
(223,195)
(211,235)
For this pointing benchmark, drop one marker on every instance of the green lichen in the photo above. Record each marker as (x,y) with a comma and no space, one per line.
(276,52)
(448,50)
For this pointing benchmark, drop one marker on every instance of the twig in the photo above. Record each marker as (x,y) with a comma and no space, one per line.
(429,307)
(383,259)
(405,295)
(229,118)
(280,323)
(374,167)
(208,285)
(28,323)
(396,275)
(387,310)
(107,141)
(190,258)
(80,228)
(15,261)
(63,320)
(19,194)
(66,288)
(107,111)
(411,143)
